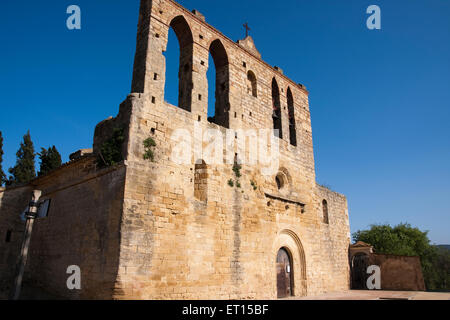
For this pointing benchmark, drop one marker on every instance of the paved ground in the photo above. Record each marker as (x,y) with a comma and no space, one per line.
(344,295)
(379,295)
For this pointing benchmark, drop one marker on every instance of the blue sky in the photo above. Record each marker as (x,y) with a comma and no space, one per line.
(380,100)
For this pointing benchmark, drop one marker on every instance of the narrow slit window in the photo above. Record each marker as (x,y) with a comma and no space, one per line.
(325,211)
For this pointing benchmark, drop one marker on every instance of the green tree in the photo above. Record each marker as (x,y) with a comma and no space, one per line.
(442,262)
(50,160)
(23,171)
(400,240)
(2,174)
(406,240)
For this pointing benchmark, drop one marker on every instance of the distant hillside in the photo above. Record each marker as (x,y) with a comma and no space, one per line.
(445,246)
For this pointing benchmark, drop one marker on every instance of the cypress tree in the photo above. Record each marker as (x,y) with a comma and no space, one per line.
(23,171)
(50,160)
(2,174)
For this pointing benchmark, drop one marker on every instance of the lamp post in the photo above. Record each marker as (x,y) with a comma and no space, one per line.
(30,215)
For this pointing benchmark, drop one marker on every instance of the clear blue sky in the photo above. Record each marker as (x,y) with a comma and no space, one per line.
(380,100)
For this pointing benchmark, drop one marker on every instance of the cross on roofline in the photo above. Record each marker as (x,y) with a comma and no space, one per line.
(247,29)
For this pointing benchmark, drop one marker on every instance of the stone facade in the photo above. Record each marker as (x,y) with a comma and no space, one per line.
(163,230)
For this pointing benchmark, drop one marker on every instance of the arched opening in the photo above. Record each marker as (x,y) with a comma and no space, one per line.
(251,84)
(179,60)
(276,113)
(289,240)
(359,264)
(220,114)
(285,286)
(292,128)
(201,181)
(279,181)
(325,211)
(282,180)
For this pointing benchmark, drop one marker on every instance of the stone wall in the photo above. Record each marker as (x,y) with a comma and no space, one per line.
(82,229)
(399,272)
(176,244)
(334,239)
(13,201)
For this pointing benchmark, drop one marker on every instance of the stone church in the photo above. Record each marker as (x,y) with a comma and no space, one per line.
(149,227)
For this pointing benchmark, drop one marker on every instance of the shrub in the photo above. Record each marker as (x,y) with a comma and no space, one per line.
(149,143)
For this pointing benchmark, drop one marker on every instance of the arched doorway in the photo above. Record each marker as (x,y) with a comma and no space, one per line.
(360,262)
(284,274)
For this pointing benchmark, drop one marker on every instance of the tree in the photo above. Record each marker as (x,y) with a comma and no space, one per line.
(406,240)
(2,174)
(400,240)
(442,262)
(23,171)
(50,160)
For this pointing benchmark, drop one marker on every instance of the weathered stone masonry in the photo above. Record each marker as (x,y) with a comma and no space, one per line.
(161,230)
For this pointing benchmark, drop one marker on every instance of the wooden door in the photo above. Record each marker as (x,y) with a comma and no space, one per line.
(284,274)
